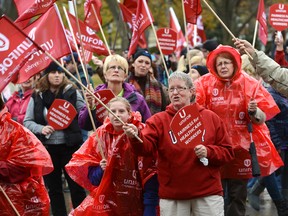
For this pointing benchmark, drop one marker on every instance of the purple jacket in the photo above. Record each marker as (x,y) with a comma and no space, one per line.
(136,100)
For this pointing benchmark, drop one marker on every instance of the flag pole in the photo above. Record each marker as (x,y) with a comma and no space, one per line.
(10,202)
(157,41)
(223,24)
(88,90)
(186,35)
(255,33)
(100,27)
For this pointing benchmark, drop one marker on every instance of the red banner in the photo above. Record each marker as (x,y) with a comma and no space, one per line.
(192,10)
(105,96)
(278,16)
(61,114)
(15,50)
(142,21)
(90,40)
(261,17)
(48,33)
(167,39)
(199,33)
(90,18)
(30,8)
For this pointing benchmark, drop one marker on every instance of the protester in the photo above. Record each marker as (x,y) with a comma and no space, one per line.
(61,144)
(143,79)
(197,71)
(185,184)
(114,180)
(238,99)
(208,46)
(280,54)
(18,102)
(269,70)
(115,71)
(23,161)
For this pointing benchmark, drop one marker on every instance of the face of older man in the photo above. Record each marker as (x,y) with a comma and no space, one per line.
(224,67)
(179,93)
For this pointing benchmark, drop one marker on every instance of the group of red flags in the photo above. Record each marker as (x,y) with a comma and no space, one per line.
(26,55)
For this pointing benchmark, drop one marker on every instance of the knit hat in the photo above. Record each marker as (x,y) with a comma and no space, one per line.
(210,45)
(202,70)
(68,58)
(52,67)
(142,52)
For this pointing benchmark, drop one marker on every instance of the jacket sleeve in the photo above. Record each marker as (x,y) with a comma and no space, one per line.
(280,58)
(12,173)
(271,72)
(95,174)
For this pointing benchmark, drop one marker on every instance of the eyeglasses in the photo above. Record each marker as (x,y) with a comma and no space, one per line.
(178,89)
(225,63)
(119,68)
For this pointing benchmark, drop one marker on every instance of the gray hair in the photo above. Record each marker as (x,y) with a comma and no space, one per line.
(182,76)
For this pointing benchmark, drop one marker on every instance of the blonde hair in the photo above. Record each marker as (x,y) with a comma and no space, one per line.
(197,60)
(115,57)
(122,100)
(248,67)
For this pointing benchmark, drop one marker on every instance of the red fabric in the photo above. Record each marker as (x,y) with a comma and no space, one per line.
(261,17)
(16,48)
(201,36)
(180,173)
(90,40)
(280,58)
(19,147)
(17,106)
(50,37)
(120,190)
(131,5)
(142,21)
(229,99)
(90,18)
(192,10)
(30,8)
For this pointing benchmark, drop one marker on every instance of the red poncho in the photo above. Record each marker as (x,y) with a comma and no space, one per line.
(20,148)
(120,190)
(229,99)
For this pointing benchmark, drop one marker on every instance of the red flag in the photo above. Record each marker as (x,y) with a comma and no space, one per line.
(131,5)
(192,10)
(143,19)
(174,24)
(128,18)
(90,18)
(200,33)
(90,40)
(48,33)
(30,8)
(261,17)
(15,49)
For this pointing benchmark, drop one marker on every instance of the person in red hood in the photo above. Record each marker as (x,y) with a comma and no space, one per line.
(239,99)
(186,186)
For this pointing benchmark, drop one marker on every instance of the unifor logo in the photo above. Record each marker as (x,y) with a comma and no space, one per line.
(89,31)
(101,198)
(4,43)
(215,92)
(241,115)
(247,162)
(32,33)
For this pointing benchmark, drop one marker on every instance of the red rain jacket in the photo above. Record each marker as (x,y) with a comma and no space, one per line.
(229,99)
(120,190)
(22,152)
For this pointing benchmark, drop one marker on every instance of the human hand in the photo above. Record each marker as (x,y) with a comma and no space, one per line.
(103,164)
(47,130)
(200,151)
(90,98)
(252,107)
(279,41)
(243,46)
(130,130)
(97,61)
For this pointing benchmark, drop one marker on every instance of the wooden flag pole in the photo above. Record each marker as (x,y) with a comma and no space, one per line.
(223,24)
(10,202)
(255,33)
(99,24)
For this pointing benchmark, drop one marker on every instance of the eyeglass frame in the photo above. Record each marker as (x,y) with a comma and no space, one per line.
(178,89)
(119,68)
(225,63)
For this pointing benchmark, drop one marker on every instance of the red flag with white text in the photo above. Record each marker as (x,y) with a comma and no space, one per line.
(192,10)
(142,21)
(128,18)
(261,17)
(174,24)
(131,5)
(48,33)
(200,33)
(30,8)
(15,50)
(90,18)
(90,40)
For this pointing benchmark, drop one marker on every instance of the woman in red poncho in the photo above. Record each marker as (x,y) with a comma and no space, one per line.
(23,161)
(238,99)
(118,190)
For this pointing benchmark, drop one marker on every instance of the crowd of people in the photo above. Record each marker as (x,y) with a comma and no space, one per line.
(133,163)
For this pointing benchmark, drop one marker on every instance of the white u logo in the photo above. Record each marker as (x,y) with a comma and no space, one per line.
(66,105)
(166,30)
(182,114)
(281,6)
